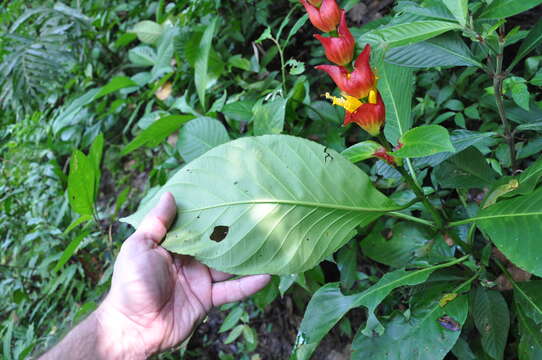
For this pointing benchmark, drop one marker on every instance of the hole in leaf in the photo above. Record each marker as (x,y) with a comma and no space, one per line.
(219,233)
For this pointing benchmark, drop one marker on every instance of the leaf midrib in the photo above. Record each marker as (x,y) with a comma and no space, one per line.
(536,213)
(292,203)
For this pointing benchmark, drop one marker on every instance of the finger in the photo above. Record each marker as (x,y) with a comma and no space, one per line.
(219,275)
(238,289)
(158,220)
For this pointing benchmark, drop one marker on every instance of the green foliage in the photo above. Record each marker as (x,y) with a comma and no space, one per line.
(105,105)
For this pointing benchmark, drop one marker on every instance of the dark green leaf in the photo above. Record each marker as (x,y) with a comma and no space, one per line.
(418,335)
(444,50)
(231,319)
(328,305)
(157,132)
(409,244)
(468,169)
(492,320)
(117,83)
(461,139)
(529,43)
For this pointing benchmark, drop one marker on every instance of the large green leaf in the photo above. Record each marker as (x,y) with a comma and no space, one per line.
(514,226)
(444,50)
(461,140)
(468,169)
(199,136)
(499,9)
(529,43)
(409,33)
(492,320)
(424,141)
(157,132)
(328,305)
(271,204)
(202,62)
(417,336)
(459,8)
(397,87)
(528,298)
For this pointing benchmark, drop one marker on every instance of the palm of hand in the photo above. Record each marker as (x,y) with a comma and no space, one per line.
(163,296)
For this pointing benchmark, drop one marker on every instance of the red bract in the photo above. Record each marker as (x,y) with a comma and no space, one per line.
(324,18)
(339,50)
(369,116)
(383,154)
(359,82)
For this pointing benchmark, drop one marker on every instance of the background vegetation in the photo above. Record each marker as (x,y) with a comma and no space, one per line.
(107,84)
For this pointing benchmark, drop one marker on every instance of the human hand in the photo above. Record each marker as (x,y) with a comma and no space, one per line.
(157,298)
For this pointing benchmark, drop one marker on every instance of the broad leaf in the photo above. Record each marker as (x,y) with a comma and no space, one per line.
(147,31)
(81,184)
(424,141)
(157,132)
(202,62)
(328,305)
(468,169)
(419,335)
(361,151)
(444,50)
(528,298)
(459,8)
(269,118)
(529,179)
(271,204)
(514,226)
(492,320)
(461,140)
(409,33)
(500,9)
(397,87)
(529,43)
(199,136)
(409,244)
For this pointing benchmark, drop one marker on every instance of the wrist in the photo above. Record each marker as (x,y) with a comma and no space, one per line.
(118,336)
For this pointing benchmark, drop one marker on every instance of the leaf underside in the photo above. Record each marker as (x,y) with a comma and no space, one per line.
(272,204)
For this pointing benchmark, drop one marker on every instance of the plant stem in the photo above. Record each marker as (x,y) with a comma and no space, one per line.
(498,79)
(282,65)
(439,222)
(411,218)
